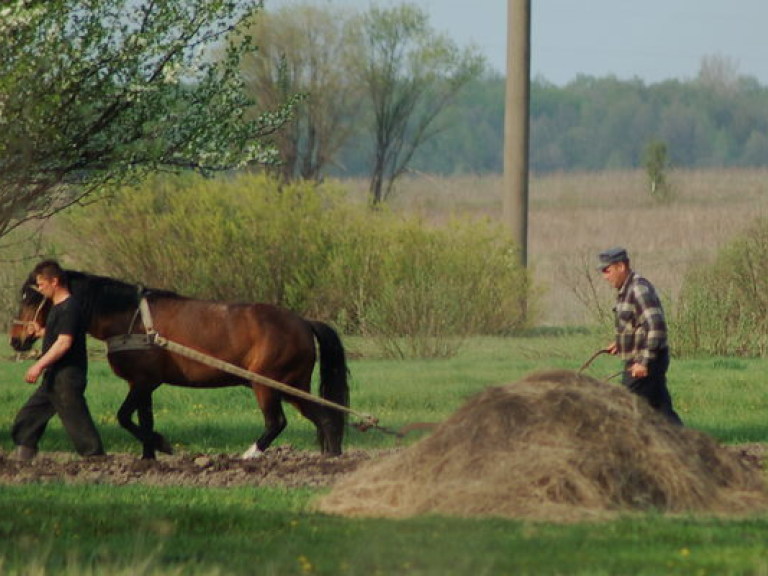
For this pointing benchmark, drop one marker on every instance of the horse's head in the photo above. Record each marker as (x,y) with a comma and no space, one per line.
(33,310)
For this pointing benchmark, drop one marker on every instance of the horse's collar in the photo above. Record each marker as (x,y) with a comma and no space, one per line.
(128,342)
(131,341)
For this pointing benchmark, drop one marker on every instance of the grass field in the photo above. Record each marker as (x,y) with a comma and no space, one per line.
(140,530)
(572,217)
(100,529)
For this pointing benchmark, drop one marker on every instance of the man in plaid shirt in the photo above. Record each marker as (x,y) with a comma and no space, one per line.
(641,332)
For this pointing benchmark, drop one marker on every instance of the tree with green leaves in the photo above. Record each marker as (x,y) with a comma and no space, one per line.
(656,168)
(305,50)
(411,74)
(96,93)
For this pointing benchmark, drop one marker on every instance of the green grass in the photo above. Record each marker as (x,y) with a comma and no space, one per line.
(139,530)
(99,529)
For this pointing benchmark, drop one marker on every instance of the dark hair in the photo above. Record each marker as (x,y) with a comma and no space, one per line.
(50,269)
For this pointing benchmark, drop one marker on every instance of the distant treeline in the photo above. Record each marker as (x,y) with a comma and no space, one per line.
(597,124)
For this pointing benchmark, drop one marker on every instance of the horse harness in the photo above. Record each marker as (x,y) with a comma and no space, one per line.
(131,341)
(32,322)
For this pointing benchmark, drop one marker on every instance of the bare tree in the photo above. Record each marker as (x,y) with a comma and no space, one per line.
(719,73)
(305,50)
(411,74)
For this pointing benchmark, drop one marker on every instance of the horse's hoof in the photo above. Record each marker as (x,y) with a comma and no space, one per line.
(252,453)
(144,464)
(164,446)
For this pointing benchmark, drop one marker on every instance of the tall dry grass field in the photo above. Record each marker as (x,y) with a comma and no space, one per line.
(574,216)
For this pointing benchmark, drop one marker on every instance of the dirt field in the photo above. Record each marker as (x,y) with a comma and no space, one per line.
(280,466)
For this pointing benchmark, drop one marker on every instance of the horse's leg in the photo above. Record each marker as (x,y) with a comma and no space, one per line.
(147,424)
(274,420)
(125,414)
(139,400)
(328,436)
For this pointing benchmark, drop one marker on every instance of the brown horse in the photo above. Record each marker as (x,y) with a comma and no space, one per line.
(268,340)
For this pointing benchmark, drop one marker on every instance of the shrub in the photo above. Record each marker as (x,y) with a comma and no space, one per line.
(418,290)
(723,306)
(442,285)
(235,239)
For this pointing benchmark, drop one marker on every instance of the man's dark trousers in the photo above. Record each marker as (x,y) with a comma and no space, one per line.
(654,386)
(62,393)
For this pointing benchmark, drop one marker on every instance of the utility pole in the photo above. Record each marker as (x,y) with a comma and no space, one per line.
(516,123)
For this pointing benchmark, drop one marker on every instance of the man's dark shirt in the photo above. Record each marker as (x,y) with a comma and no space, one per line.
(66,318)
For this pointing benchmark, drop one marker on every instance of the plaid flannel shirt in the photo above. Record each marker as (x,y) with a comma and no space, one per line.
(641,331)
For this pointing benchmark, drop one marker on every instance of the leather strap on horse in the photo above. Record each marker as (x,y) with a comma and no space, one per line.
(26,323)
(130,341)
(367,421)
(146,315)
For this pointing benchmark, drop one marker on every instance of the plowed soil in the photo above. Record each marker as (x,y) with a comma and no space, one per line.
(279,466)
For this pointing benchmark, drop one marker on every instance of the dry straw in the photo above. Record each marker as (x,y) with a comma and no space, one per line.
(555,446)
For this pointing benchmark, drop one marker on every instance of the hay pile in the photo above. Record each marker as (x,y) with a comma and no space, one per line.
(555,446)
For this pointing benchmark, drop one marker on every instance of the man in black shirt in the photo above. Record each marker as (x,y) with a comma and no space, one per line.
(64,366)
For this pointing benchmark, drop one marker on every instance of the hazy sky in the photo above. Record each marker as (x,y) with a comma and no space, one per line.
(653,40)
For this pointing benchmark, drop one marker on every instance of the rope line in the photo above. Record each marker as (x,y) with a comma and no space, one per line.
(367,420)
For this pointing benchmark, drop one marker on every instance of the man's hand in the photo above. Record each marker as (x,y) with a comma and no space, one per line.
(56,351)
(637,370)
(33,373)
(612,348)
(34,329)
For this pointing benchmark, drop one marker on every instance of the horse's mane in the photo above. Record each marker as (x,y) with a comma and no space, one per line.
(110,295)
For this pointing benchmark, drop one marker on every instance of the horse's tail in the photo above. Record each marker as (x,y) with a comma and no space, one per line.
(333,375)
